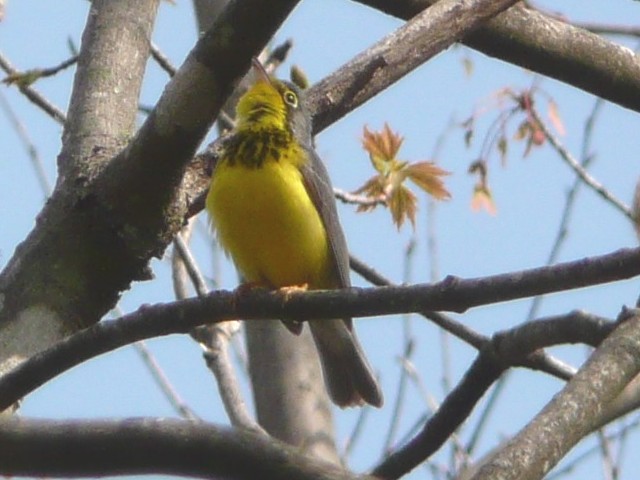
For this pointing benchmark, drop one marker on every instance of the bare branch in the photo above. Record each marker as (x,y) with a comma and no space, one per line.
(360,200)
(454,410)
(214,340)
(532,40)
(32,94)
(182,316)
(43,448)
(28,144)
(574,411)
(421,38)
(578,169)
(36,74)
(163,382)
(162,60)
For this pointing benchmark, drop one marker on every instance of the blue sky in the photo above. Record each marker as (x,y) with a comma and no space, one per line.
(529,194)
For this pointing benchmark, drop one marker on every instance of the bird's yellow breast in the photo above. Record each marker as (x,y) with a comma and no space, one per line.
(266,221)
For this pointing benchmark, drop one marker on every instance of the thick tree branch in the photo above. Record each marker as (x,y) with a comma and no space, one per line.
(143,446)
(573,412)
(532,40)
(394,56)
(113,57)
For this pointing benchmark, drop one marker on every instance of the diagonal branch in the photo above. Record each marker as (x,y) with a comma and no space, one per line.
(532,40)
(484,371)
(573,412)
(508,348)
(580,171)
(397,54)
(32,94)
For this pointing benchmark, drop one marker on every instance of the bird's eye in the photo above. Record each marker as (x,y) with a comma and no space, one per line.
(291,98)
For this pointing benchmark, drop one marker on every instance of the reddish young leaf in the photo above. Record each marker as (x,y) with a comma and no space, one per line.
(426,175)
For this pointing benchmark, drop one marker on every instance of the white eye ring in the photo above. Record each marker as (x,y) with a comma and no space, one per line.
(291,98)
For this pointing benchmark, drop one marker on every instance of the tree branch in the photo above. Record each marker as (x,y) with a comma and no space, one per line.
(143,446)
(181,316)
(580,171)
(32,94)
(532,40)
(517,346)
(574,411)
(421,38)
(454,410)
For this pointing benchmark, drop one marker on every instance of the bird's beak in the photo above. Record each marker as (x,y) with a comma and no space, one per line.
(259,73)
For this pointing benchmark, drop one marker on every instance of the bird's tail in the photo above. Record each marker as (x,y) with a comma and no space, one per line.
(347,374)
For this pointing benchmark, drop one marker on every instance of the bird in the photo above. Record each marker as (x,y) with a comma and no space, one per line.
(273,211)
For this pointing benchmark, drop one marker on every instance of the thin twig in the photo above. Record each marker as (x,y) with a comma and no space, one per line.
(39,73)
(197,279)
(355,432)
(214,339)
(29,146)
(398,403)
(608,463)
(360,200)
(32,94)
(408,349)
(161,379)
(163,382)
(578,169)
(162,60)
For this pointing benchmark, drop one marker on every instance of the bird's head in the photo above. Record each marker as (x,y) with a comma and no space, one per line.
(272,104)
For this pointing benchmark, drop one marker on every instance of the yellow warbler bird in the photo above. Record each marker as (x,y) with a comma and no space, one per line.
(272,207)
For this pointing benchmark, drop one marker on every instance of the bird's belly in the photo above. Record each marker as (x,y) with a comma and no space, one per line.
(267,223)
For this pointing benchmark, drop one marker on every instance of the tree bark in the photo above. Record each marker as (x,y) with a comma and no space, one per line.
(526,37)
(42,448)
(288,389)
(573,412)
